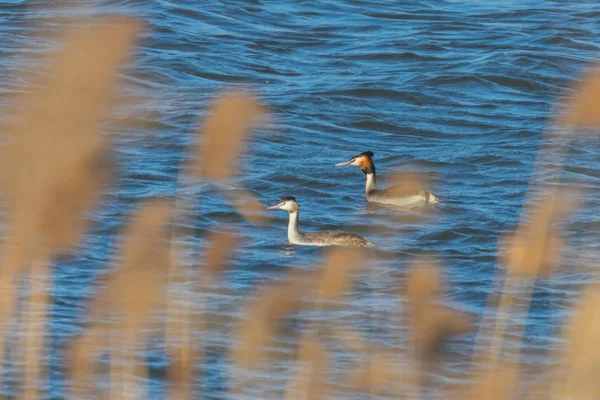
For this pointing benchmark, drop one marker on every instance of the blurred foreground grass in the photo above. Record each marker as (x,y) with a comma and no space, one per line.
(56,165)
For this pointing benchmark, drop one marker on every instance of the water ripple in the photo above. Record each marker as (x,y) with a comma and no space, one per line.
(461,90)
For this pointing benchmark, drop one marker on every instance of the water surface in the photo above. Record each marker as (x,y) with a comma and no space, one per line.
(460,90)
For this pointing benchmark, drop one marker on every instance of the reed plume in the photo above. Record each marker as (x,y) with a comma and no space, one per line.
(58,165)
(259,324)
(309,382)
(337,275)
(224,131)
(577,376)
(220,140)
(582,110)
(431,322)
(129,297)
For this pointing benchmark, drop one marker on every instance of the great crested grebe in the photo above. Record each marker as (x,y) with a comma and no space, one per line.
(388,196)
(322,238)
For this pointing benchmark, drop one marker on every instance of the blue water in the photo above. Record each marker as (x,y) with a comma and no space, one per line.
(459,90)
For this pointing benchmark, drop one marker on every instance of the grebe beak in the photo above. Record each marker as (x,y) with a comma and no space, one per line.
(274,207)
(343,163)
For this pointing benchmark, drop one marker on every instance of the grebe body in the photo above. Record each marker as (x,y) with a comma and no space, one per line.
(320,238)
(394,196)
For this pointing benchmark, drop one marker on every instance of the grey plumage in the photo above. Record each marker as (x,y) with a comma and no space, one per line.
(335,238)
(389,196)
(321,238)
(395,196)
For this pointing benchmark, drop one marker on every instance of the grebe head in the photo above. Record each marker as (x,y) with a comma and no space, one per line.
(363,161)
(286,203)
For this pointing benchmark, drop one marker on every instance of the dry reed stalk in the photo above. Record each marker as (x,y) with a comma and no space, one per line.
(177,335)
(375,376)
(181,373)
(12,261)
(430,322)
(221,245)
(580,111)
(330,285)
(497,316)
(408,183)
(332,282)
(117,369)
(349,338)
(309,383)
(178,300)
(227,124)
(337,275)
(533,252)
(259,324)
(131,293)
(34,339)
(81,364)
(578,108)
(178,308)
(138,283)
(583,109)
(540,389)
(56,159)
(497,384)
(142,261)
(249,206)
(135,287)
(577,378)
(505,307)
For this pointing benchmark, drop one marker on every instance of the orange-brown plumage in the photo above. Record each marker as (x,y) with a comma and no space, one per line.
(365,162)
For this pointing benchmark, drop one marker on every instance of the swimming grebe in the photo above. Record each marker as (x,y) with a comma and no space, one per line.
(322,238)
(388,196)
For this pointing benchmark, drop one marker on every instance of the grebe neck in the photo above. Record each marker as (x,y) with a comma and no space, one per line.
(371,185)
(293,232)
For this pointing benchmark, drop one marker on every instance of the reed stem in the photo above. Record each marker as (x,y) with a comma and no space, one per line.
(12,263)
(41,282)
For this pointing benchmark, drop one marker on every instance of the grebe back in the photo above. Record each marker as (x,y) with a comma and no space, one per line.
(320,238)
(392,196)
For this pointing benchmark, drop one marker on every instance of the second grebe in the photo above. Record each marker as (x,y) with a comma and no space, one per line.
(388,196)
(322,238)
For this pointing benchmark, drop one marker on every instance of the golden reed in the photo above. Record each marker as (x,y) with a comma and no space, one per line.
(56,164)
